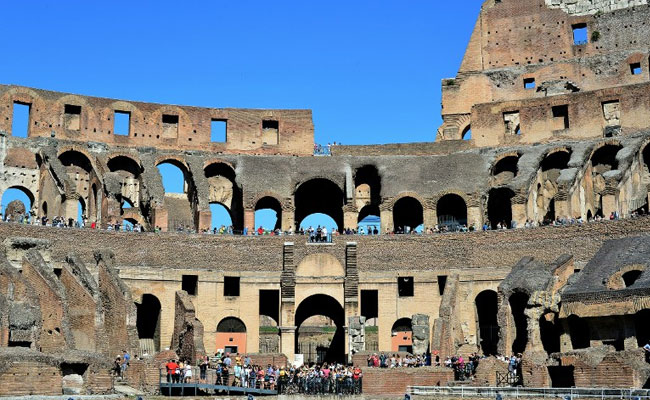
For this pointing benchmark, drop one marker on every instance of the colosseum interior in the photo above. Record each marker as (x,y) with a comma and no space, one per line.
(546,132)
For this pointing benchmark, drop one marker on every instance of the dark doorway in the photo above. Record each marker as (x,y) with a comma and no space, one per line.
(518,302)
(452,211)
(549,332)
(148,323)
(319,196)
(488,329)
(500,206)
(579,332)
(562,377)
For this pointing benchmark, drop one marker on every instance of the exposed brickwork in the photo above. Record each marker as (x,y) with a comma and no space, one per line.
(395,382)
(30,378)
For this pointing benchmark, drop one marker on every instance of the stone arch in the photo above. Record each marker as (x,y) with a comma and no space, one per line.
(466,133)
(319,195)
(451,209)
(625,276)
(26,191)
(329,307)
(557,158)
(402,335)
(506,162)
(408,212)
(272,203)
(231,335)
(486,303)
(123,162)
(320,265)
(367,184)
(74,153)
(223,189)
(605,154)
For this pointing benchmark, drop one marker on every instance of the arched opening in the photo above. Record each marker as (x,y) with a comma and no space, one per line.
(319,196)
(558,160)
(452,211)
(125,166)
(500,207)
(367,183)
(221,219)
(231,335)
(148,324)
(506,167)
(488,328)
(645,158)
(549,332)
(467,133)
(408,215)
(402,336)
(369,220)
(579,332)
(631,276)
(16,204)
(268,213)
(76,160)
(604,159)
(223,189)
(173,175)
(328,310)
(518,302)
(44,209)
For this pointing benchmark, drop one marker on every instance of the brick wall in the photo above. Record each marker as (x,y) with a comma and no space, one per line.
(456,250)
(612,371)
(382,381)
(144,374)
(266,359)
(81,315)
(27,378)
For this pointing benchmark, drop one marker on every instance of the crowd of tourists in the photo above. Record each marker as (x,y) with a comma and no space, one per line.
(322,150)
(384,360)
(320,233)
(240,371)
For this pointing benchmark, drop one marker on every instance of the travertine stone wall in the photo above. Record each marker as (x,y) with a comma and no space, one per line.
(582,7)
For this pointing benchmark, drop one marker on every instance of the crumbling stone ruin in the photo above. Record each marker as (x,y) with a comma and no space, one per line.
(546,121)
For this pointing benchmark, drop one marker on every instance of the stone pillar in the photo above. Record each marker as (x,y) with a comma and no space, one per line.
(70,207)
(562,205)
(565,336)
(386,216)
(204,220)
(350,217)
(421,333)
(430,217)
(288,218)
(288,342)
(356,335)
(249,219)
(160,218)
(474,212)
(518,207)
(609,204)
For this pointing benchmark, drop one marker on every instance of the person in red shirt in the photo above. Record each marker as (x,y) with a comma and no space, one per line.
(260,230)
(171,369)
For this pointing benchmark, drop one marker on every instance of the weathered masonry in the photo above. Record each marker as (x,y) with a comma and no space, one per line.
(548,119)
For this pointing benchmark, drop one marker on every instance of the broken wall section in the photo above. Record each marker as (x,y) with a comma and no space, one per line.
(187,340)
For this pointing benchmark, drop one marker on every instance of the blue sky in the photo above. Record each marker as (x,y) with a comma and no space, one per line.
(369,70)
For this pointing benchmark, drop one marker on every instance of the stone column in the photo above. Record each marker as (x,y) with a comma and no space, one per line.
(204,220)
(562,205)
(70,206)
(356,335)
(430,215)
(288,342)
(249,219)
(518,207)
(474,213)
(288,212)
(386,216)
(350,217)
(421,333)
(565,336)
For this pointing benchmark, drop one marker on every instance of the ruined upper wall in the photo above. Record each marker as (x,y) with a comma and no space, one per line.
(91,119)
(525,50)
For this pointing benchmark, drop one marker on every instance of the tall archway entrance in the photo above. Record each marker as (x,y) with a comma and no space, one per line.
(488,329)
(329,310)
(148,324)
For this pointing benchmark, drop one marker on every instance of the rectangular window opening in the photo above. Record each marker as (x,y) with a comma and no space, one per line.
(529,83)
(72,117)
(442,284)
(218,130)
(57,272)
(270,304)
(369,304)
(560,117)
(580,34)
(231,286)
(20,122)
(190,284)
(405,286)
(169,119)
(635,68)
(122,123)
(270,132)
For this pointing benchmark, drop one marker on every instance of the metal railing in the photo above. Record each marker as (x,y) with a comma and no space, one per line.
(517,392)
